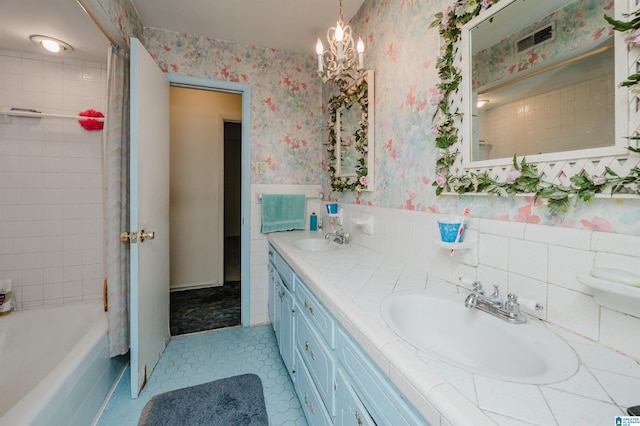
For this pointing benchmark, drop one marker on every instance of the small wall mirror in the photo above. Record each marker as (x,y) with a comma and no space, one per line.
(351,142)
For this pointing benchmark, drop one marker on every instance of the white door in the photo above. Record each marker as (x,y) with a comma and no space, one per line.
(149,215)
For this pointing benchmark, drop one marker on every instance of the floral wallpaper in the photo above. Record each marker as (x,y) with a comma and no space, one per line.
(403,51)
(286,109)
(579,25)
(289,118)
(125,18)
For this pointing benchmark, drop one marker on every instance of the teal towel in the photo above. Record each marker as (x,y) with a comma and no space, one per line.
(283,212)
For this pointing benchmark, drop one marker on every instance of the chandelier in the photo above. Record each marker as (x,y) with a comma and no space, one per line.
(342,58)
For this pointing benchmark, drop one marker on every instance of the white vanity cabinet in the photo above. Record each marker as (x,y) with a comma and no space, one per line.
(336,381)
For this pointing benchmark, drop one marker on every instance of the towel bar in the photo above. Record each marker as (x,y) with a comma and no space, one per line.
(313,195)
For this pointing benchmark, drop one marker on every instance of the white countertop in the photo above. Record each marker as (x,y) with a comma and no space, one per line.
(352,282)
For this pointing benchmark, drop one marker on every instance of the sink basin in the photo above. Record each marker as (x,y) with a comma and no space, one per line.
(315,244)
(439,325)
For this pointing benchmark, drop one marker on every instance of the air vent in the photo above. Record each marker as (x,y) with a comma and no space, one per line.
(535,39)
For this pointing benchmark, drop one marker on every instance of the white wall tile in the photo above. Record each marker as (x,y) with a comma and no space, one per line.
(616,243)
(617,331)
(528,259)
(557,235)
(565,263)
(494,251)
(54,187)
(573,310)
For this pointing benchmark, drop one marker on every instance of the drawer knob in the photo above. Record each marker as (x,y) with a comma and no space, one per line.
(306,345)
(306,401)
(359,418)
(307,305)
(313,355)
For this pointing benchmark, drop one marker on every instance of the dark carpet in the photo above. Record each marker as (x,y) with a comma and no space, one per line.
(234,401)
(205,309)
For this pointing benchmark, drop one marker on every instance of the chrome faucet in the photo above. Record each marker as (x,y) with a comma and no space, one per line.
(508,310)
(339,237)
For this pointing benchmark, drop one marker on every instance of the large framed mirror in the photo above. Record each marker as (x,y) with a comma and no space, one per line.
(351,139)
(533,100)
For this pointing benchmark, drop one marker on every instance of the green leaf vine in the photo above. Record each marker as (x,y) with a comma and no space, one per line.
(352,95)
(524,178)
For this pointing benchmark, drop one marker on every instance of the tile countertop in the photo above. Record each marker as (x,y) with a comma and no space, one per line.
(352,282)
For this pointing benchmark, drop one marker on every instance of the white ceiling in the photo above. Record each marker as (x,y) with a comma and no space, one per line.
(291,25)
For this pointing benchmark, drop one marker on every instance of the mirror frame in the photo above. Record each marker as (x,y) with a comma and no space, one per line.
(557,178)
(360,92)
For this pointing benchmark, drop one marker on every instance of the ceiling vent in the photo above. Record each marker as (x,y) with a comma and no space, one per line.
(537,38)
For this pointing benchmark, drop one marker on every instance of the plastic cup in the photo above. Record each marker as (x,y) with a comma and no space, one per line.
(449,230)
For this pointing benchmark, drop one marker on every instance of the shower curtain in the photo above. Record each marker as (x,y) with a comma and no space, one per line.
(116,172)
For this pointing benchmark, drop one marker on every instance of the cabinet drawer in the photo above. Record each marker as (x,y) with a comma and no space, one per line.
(317,315)
(309,399)
(382,399)
(349,408)
(318,359)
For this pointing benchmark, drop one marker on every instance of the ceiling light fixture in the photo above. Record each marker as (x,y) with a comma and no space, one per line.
(340,59)
(482,102)
(51,44)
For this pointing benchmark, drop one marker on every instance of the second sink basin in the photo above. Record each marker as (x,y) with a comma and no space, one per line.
(315,244)
(441,326)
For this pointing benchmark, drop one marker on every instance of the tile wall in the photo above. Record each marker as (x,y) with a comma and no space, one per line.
(574,117)
(51,202)
(534,261)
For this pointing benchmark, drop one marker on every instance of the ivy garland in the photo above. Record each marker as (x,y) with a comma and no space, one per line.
(524,178)
(356,94)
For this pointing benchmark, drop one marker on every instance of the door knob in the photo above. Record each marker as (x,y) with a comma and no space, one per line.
(146,235)
(129,237)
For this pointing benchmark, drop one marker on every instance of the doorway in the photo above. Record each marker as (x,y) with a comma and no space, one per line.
(205,212)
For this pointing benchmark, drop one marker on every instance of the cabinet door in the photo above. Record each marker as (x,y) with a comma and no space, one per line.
(287,329)
(311,402)
(349,409)
(277,304)
(318,359)
(272,295)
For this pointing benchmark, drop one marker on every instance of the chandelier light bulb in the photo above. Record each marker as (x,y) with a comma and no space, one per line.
(319,47)
(339,32)
(360,46)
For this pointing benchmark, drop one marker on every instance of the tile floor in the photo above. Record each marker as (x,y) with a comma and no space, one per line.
(199,358)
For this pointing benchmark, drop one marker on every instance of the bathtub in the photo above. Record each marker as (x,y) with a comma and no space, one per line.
(54,365)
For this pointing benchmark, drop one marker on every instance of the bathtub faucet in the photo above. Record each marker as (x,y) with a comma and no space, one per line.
(509,310)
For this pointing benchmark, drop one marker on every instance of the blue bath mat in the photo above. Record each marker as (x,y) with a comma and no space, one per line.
(237,400)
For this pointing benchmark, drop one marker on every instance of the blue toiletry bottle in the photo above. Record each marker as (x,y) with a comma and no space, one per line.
(313,222)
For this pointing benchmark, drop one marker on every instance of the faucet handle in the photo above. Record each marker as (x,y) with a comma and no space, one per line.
(476,286)
(511,305)
(529,304)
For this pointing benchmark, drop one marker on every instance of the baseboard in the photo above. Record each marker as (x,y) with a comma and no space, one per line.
(194,286)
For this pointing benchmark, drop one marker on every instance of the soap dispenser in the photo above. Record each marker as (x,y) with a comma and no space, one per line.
(313,222)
